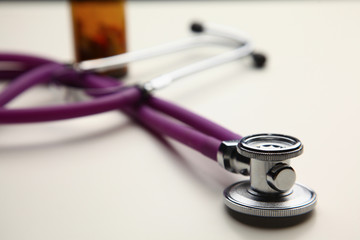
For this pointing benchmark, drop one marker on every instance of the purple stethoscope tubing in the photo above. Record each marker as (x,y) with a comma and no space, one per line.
(159,115)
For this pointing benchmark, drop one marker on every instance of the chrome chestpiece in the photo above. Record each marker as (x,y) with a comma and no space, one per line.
(271,191)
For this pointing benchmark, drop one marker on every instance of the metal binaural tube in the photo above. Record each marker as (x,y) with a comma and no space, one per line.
(108,63)
(166,79)
(215,35)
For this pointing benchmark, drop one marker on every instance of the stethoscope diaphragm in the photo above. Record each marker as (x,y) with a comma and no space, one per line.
(271,190)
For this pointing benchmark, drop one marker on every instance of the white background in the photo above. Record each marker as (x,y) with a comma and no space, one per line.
(104,177)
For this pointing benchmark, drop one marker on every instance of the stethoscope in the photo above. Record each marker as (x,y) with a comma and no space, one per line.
(271,190)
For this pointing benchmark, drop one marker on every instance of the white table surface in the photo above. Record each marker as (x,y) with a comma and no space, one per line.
(104,177)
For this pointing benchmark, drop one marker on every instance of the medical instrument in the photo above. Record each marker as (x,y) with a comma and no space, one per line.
(271,191)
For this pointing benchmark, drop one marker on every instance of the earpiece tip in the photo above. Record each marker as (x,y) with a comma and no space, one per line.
(259,60)
(197,27)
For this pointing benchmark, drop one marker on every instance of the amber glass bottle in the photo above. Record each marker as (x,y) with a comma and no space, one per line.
(99,30)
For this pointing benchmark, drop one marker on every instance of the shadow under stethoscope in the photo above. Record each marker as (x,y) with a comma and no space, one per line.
(269,222)
(91,135)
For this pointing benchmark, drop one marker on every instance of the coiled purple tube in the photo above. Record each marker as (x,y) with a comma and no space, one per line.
(159,115)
